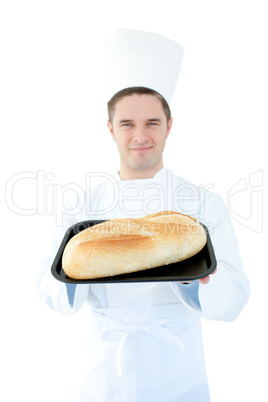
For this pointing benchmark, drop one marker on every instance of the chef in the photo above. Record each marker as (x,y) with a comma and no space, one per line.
(146,338)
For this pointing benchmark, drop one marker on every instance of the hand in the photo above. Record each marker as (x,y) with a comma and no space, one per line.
(203,281)
(206,279)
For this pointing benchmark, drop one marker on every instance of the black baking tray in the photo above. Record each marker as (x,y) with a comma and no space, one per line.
(196,267)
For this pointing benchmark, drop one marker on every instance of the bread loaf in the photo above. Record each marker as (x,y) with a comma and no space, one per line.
(121,246)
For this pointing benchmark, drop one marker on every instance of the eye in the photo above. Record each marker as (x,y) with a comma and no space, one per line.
(127,125)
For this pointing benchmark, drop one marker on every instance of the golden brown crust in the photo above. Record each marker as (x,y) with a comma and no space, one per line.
(127,245)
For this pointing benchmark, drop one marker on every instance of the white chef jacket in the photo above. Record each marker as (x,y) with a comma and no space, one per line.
(147,340)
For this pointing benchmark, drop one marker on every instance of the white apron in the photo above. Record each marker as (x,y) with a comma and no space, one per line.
(151,354)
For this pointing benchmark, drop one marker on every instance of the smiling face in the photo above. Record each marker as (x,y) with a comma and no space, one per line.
(140,130)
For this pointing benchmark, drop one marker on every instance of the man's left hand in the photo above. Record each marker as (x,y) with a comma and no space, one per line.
(206,279)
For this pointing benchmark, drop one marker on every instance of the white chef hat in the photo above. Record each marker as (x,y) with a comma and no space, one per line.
(142,59)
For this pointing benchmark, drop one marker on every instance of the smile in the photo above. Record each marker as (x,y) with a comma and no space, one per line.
(141,149)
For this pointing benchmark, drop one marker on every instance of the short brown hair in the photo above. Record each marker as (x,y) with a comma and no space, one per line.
(136,91)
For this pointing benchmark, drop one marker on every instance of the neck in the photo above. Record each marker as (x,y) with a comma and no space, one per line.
(127,173)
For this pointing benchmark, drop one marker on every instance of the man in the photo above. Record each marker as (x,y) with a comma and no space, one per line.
(140,122)
(146,340)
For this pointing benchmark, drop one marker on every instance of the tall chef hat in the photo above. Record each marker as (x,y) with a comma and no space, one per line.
(142,59)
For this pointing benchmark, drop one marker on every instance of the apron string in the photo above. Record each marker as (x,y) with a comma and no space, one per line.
(158,329)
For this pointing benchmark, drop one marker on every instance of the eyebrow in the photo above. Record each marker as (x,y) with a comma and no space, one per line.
(125,121)
(129,120)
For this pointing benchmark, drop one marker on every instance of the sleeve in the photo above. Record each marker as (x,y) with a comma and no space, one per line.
(63,298)
(228,290)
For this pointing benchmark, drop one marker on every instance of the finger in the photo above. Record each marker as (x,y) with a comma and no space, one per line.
(204,280)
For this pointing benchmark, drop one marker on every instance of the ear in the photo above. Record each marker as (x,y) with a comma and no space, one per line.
(110,127)
(169,126)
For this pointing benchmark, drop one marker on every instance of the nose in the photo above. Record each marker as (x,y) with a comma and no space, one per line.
(140,135)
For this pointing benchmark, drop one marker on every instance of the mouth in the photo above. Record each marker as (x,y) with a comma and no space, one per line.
(141,149)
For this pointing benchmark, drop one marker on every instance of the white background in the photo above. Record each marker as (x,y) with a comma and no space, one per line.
(53,121)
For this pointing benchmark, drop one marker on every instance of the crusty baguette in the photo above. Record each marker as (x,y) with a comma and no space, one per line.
(122,246)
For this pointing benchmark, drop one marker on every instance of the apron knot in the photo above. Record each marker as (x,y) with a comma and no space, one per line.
(160,328)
